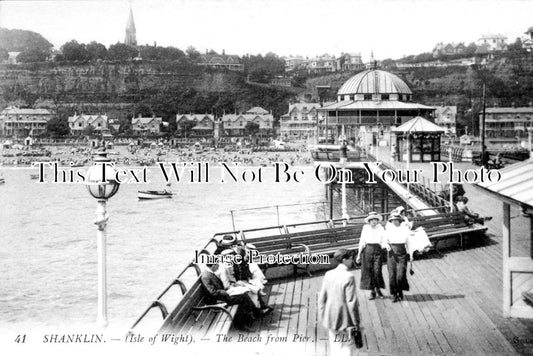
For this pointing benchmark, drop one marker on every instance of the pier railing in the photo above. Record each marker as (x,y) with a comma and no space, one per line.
(210,246)
(243,234)
(422,190)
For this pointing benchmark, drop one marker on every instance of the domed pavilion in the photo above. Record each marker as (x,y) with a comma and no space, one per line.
(368,105)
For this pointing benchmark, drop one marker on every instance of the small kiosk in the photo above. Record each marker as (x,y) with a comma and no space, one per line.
(418,140)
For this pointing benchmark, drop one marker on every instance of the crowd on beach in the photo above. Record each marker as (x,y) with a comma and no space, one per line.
(130,155)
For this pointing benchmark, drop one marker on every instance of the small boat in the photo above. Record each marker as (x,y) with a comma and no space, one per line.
(154,194)
(2,180)
(34,176)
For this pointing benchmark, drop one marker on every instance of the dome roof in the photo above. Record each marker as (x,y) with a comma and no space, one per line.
(374,81)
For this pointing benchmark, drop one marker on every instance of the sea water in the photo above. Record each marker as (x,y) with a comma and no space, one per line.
(48,253)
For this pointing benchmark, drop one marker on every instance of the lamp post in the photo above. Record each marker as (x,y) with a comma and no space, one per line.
(483,149)
(408,158)
(451,183)
(343,160)
(101,189)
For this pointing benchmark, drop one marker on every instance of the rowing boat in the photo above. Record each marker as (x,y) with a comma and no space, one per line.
(154,194)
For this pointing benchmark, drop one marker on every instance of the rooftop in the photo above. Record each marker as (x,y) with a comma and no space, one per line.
(516,184)
(508,110)
(13,110)
(374,81)
(418,124)
(257,110)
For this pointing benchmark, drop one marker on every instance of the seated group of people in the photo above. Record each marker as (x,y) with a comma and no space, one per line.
(460,201)
(470,216)
(237,283)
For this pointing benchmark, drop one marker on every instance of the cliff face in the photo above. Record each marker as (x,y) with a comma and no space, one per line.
(107,81)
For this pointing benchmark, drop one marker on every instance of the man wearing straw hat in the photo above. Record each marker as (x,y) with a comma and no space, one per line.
(226,242)
(338,305)
(370,245)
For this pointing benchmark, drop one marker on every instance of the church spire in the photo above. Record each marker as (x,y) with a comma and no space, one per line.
(131,39)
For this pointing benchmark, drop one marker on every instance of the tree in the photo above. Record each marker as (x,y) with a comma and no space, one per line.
(192,53)
(57,127)
(121,52)
(96,50)
(471,49)
(88,130)
(516,46)
(251,128)
(32,55)
(22,40)
(262,69)
(4,54)
(143,109)
(154,53)
(186,126)
(74,51)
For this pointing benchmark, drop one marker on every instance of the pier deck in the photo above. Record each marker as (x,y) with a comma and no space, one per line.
(454,305)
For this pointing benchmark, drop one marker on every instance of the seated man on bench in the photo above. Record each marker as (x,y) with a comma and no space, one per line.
(216,291)
(470,216)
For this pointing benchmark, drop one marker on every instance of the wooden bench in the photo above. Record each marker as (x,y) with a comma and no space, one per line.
(447,225)
(322,241)
(193,315)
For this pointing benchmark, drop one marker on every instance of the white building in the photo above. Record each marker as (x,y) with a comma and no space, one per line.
(78,123)
(235,124)
(146,125)
(201,125)
(446,117)
(23,122)
(301,121)
(496,42)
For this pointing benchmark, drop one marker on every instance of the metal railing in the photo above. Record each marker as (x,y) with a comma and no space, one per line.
(241,234)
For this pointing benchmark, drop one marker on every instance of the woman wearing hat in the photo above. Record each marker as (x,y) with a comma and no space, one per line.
(370,245)
(405,221)
(395,241)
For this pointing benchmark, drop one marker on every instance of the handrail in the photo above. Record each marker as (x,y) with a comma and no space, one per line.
(241,233)
(271,206)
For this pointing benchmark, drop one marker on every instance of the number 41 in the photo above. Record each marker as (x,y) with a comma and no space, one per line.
(20,339)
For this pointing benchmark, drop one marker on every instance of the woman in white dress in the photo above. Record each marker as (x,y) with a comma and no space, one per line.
(395,241)
(370,245)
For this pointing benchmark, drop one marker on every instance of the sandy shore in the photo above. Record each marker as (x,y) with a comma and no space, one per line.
(150,156)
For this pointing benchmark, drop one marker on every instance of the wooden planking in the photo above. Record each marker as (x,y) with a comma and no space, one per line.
(454,307)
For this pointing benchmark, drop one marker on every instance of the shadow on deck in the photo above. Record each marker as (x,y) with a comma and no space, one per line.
(454,306)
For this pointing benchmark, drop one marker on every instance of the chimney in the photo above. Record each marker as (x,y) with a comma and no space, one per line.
(223,52)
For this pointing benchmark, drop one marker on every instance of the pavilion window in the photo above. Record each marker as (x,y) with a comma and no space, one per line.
(367,97)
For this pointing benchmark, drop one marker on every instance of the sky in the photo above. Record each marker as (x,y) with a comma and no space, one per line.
(388,28)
